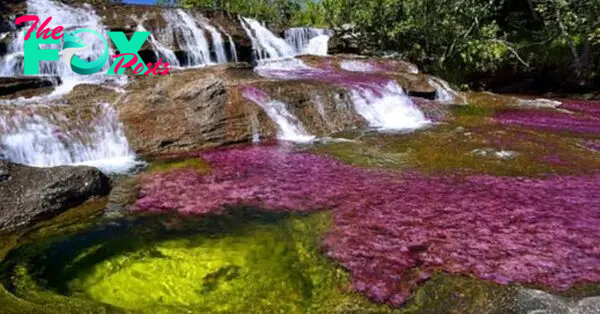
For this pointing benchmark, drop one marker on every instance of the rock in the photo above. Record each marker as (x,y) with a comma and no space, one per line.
(14,87)
(186,110)
(322,108)
(538,103)
(123,194)
(29,194)
(491,152)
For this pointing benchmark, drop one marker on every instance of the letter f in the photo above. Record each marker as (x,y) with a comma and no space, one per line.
(32,54)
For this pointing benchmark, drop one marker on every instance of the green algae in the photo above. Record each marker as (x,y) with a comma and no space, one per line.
(452,147)
(22,295)
(162,165)
(246,261)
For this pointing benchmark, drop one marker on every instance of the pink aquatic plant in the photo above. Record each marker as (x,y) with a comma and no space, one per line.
(551,120)
(392,230)
(588,108)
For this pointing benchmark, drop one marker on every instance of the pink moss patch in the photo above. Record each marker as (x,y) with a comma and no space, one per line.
(552,120)
(392,230)
(588,108)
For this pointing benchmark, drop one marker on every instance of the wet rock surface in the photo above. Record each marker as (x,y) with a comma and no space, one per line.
(29,194)
(12,87)
(181,112)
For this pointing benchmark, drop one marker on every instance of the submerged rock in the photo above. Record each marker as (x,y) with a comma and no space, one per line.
(491,152)
(29,194)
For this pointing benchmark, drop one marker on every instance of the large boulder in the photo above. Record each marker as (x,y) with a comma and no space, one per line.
(188,110)
(29,194)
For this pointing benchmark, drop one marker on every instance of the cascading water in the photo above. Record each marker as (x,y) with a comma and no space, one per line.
(190,37)
(217,41)
(265,44)
(70,18)
(289,127)
(299,40)
(307,40)
(380,101)
(232,51)
(46,136)
(254,125)
(387,108)
(161,51)
(443,91)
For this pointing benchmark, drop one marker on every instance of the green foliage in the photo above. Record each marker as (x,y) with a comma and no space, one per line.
(453,38)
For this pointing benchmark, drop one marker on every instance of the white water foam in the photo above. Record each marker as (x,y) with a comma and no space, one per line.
(162,51)
(190,37)
(43,136)
(384,106)
(443,91)
(388,108)
(288,125)
(217,40)
(308,40)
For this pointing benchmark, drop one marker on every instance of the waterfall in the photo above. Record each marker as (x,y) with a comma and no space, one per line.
(71,19)
(387,108)
(232,51)
(160,50)
(46,136)
(443,91)
(289,127)
(298,40)
(265,44)
(380,101)
(307,40)
(217,41)
(317,46)
(189,37)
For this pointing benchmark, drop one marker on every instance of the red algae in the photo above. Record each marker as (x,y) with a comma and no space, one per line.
(586,107)
(552,120)
(391,231)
